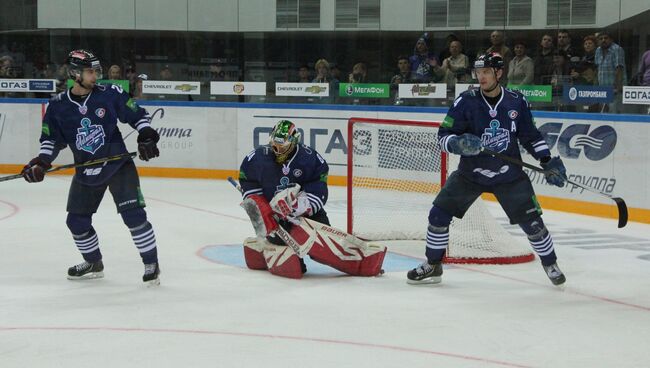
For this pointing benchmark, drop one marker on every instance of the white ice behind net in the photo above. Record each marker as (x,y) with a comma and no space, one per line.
(396,176)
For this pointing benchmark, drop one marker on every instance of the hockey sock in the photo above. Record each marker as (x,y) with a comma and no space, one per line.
(88,245)
(437,241)
(145,240)
(540,239)
(437,234)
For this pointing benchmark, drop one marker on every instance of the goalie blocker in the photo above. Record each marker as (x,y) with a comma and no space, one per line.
(324,244)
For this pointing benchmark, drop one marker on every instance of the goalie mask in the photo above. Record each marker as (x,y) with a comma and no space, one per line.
(284,138)
(78,60)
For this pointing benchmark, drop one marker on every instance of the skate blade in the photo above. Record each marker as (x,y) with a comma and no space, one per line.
(427,281)
(152,283)
(88,276)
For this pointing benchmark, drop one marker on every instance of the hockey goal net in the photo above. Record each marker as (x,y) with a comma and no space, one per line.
(395,170)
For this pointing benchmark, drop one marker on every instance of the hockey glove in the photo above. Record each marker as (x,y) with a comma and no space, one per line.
(285,201)
(35,170)
(147,140)
(554,170)
(301,207)
(466,145)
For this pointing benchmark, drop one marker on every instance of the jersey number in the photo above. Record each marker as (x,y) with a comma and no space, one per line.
(117,88)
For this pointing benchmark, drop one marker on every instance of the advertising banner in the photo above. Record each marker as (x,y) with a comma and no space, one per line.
(159,87)
(636,95)
(238,88)
(534,92)
(407,90)
(302,89)
(27,85)
(364,90)
(588,94)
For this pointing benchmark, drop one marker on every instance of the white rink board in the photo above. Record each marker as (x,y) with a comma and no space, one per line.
(218,138)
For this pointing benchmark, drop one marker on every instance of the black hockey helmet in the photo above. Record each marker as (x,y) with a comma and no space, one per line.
(78,60)
(489,60)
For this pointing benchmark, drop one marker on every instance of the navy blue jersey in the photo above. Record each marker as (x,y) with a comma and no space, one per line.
(501,128)
(260,174)
(90,129)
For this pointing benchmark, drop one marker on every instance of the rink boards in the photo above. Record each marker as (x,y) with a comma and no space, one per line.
(209,140)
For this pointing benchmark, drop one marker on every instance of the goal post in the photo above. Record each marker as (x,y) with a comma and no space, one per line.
(395,169)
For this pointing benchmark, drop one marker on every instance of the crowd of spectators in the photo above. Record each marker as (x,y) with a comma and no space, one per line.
(555,59)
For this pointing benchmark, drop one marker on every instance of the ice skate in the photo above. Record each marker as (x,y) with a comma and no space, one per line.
(425,273)
(86,270)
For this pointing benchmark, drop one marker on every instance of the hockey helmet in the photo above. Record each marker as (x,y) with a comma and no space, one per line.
(284,138)
(489,60)
(78,60)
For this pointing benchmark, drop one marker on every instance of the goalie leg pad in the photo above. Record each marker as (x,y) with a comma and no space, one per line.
(261,215)
(253,254)
(345,252)
(278,259)
(282,261)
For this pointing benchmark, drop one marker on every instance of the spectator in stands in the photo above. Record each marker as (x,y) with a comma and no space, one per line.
(447,52)
(644,69)
(303,74)
(456,66)
(114,72)
(610,60)
(425,67)
(403,76)
(335,72)
(564,43)
(166,73)
(544,60)
(322,68)
(644,72)
(560,75)
(359,73)
(522,67)
(6,63)
(584,72)
(497,40)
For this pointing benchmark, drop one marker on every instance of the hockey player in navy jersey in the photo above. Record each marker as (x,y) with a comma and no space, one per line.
(499,119)
(84,118)
(284,183)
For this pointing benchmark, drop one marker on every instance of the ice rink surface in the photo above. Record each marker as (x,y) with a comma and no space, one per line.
(210,312)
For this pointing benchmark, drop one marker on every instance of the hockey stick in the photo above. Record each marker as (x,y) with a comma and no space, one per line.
(282,233)
(620,203)
(83,164)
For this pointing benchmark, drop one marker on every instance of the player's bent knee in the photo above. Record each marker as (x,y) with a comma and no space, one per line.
(439,219)
(134,217)
(79,224)
(535,228)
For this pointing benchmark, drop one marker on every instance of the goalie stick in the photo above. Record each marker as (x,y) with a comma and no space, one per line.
(83,164)
(282,233)
(620,203)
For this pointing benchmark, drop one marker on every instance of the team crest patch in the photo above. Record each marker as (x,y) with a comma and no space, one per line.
(83,109)
(496,138)
(513,114)
(297,173)
(90,137)
(100,112)
(285,169)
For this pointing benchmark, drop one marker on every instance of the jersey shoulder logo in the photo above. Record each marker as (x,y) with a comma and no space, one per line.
(496,138)
(90,137)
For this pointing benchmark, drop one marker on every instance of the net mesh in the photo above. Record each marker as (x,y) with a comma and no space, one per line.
(396,170)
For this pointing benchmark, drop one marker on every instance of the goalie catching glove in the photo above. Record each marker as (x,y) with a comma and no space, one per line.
(291,203)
